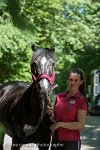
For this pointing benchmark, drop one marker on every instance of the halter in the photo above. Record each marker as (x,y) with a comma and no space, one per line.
(44,76)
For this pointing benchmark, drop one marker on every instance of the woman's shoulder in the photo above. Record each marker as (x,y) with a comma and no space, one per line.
(82,97)
(62,94)
(82,102)
(79,95)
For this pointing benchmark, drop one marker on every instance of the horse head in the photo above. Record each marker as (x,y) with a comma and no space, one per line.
(42,69)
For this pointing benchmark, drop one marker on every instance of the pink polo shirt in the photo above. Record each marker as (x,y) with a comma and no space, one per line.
(66,111)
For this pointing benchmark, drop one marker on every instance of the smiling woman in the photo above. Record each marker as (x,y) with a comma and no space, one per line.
(70,113)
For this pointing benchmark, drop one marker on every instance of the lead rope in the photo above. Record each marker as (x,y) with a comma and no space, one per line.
(49,103)
(53,87)
(52,134)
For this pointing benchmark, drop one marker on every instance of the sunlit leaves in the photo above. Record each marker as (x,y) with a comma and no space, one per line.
(15,54)
(73,26)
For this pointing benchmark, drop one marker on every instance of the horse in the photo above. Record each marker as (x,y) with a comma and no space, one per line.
(23,106)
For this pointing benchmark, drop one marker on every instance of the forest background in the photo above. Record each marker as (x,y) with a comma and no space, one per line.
(72,26)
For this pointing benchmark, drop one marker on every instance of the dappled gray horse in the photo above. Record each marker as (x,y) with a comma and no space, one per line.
(23,106)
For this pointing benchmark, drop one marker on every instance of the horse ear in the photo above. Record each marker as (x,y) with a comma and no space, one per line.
(33,46)
(53,47)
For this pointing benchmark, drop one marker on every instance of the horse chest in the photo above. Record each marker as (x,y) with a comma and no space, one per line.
(29,117)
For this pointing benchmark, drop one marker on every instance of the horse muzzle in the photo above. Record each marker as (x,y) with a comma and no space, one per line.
(44,86)
(45,81)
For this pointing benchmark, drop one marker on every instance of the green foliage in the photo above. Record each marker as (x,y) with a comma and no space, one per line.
(73,26)
(15,53)
(2,131)
(45,17)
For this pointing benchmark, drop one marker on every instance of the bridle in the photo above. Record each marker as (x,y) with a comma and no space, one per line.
(49,78)
(44,76)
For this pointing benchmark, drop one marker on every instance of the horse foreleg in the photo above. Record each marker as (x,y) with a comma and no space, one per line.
(2,133)
(1,140)
(44,145)
(16,144)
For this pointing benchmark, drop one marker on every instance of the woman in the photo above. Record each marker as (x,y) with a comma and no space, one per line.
(70,114)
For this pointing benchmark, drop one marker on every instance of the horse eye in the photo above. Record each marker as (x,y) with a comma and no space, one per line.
(53,64)
(34,69)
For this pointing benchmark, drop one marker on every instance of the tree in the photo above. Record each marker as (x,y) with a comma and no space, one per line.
(73,26)
(15,49)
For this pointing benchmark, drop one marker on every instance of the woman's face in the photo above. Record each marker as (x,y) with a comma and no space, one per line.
(74,82)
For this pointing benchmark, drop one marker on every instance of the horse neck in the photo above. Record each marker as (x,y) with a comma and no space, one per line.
(30,106)
(39,103)
(34,103)
(33,96)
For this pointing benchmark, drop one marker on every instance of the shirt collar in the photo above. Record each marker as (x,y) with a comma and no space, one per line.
(77,95)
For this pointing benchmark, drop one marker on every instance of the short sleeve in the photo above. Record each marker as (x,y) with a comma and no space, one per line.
(82,103)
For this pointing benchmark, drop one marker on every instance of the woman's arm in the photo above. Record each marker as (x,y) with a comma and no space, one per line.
(78,125)
(50,112)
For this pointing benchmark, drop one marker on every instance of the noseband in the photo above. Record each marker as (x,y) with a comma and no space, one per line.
(44,76)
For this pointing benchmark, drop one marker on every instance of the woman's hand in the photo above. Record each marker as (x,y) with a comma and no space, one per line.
(55,126)
(51,113)
(49,110)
